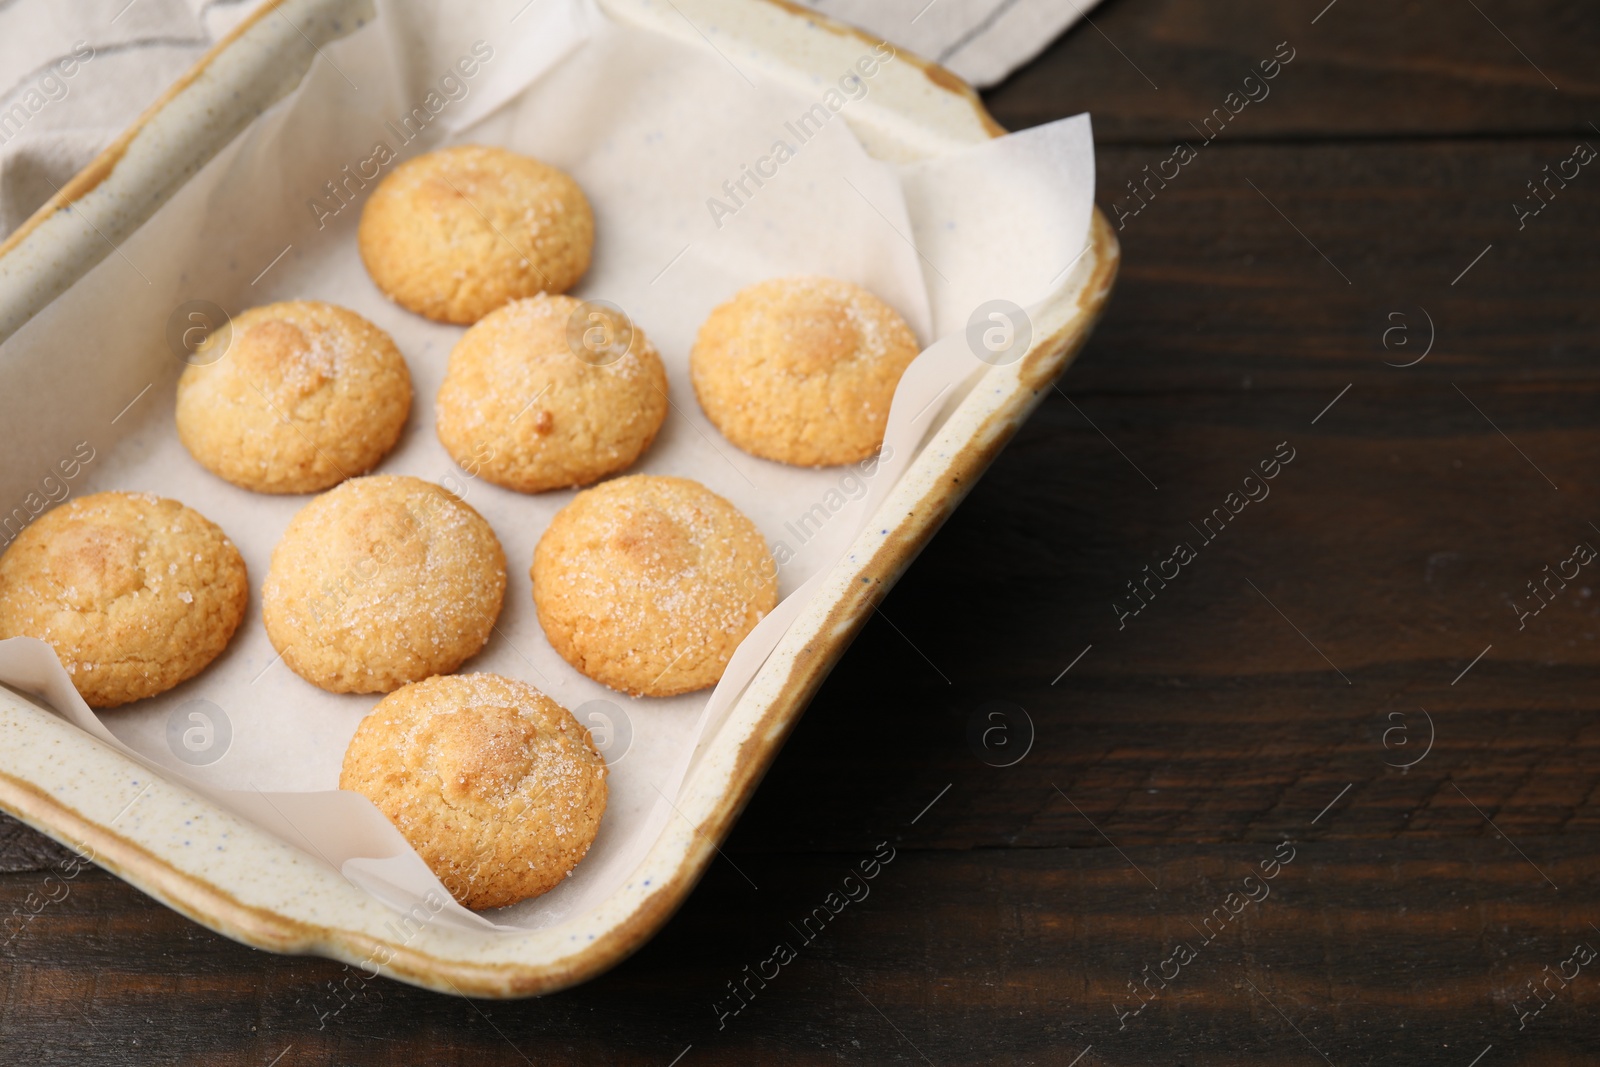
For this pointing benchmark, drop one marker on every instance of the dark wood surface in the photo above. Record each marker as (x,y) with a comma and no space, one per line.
(1269,693)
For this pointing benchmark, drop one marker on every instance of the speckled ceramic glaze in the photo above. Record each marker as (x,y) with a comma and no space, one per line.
(243,882)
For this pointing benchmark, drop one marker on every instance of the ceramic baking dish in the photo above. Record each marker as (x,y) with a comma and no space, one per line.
(264,892)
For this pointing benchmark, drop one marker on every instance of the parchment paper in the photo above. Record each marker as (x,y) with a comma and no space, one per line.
(656,132)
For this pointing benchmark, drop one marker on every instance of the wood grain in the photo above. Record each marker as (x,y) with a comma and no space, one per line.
(1362,70)
(1373,952)
(1264,265)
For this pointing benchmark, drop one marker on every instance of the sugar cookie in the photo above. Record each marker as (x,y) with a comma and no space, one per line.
(801,370)
(647,584)
(293,398)
(456,233)
(527,406)
(496,786)
(384,580)
(134,593)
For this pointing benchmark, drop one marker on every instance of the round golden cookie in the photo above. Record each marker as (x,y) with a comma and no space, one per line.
(293,398)
(385,580)
(529,409)
(801,370)
(647,584)
(134,593)
(496,786)
(454,234)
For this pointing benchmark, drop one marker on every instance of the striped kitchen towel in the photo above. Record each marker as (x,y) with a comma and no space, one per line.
(74,75)
(981,40)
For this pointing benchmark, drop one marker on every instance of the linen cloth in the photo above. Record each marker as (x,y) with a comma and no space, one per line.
(74,74)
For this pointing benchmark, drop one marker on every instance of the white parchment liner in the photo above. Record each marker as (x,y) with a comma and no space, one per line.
(662,137)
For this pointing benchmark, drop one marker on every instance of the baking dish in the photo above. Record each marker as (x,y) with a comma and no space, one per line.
(260,889)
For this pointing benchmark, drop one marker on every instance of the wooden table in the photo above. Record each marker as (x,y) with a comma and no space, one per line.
(1340,273)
